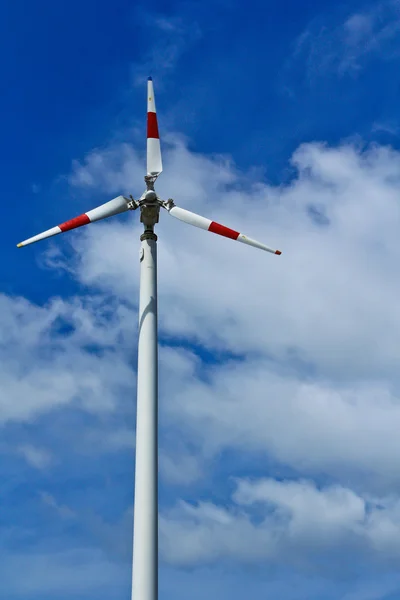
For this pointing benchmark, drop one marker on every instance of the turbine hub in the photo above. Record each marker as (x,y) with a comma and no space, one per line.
(150,196)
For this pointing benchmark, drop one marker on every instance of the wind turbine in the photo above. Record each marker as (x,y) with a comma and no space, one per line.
(145,535)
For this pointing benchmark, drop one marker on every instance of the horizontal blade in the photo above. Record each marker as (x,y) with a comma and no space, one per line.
(154,162)
(113,207)
(192,219)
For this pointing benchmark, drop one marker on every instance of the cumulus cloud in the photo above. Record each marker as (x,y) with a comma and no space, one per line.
(49,358)
(348,431)
(291,361)
(322,299)
(312,336)
(294,521)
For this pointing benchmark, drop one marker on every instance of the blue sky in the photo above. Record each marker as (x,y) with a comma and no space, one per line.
(279,387)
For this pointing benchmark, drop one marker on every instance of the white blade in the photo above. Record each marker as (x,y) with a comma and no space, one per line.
(192,219)
(154,162)
(113,207)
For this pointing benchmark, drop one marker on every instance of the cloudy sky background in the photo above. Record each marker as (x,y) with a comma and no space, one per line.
(279,384)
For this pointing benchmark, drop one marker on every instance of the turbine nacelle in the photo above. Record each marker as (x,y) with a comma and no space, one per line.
(149,214)
(149,205)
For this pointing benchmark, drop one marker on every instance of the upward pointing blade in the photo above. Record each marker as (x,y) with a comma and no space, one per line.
(154,162)
(192,219)
(113,207)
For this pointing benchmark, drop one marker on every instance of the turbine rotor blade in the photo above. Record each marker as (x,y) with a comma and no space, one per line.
(193,219)
(113,207)
(154,162)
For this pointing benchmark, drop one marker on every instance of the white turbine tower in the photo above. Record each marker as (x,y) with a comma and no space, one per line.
(145,536)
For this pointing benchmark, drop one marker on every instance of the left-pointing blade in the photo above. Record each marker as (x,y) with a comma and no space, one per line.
(192,219)
(154,162)
(113,207)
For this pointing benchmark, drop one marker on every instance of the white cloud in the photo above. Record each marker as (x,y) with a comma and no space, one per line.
(317,328)
(315,389)
(36,457)
(388,127)
(326,47)
(174,34)
(322,299)
(236,583)
(63,511)
(358,27)
(113,169)
(179,468)
(275,520)
(47,360)
(348,431)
